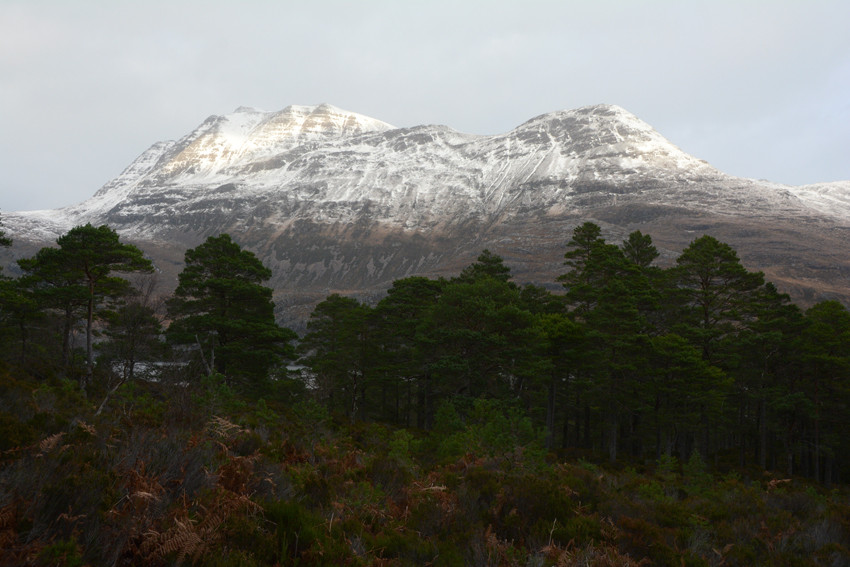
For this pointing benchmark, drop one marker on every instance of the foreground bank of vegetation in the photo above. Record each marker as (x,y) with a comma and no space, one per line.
(688,415)
(201,475)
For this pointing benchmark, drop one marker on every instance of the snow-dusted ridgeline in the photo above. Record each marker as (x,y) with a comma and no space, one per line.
(321,178)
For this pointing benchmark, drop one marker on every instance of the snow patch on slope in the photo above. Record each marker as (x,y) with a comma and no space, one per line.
(832,199)
(225,143)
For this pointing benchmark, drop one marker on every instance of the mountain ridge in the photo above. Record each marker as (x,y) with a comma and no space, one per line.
(334,200)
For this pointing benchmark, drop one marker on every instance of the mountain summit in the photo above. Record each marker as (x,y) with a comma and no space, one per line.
(332,200)
(223,144)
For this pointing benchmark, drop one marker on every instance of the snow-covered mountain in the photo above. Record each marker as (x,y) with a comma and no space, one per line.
(336,201)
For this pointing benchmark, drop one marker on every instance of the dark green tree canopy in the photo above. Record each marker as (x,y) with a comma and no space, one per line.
(827,341)
(20,313)
(217,260)
(221,307)
(488,265)
(717,291)
(97,252)
(585,238)
(50,276)
(53,286)
(336,349)
(638,249)
(80,273)
(133,332)
(586,245)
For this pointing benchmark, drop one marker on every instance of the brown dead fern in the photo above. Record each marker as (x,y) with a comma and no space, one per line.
(222,427)
(188,539)
(182,540)
(235,475)
(88,428)
(8,515)
(8,525)
(49,443)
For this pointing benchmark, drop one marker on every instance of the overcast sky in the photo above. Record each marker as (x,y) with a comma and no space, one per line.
(757,88)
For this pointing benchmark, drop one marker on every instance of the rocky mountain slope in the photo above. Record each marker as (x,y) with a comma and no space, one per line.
(336,201)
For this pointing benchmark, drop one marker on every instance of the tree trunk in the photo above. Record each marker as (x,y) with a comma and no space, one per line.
(827,471)
(66,337)
(353,401)
(24,336)
(550,415)
(613,427)
(108,395)
(84,380)
(817,431)
(408,406)
(742,445)
(789,460)
(207,366)
(420,403)
(763,433)
(635,433)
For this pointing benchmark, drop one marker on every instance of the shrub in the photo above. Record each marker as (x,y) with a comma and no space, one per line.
(63,553)
(695,473)
(295,528)
(583,530)
(14,433)
(492,430)
(408,547)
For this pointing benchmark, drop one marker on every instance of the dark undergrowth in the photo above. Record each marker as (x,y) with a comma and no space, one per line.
(170,475)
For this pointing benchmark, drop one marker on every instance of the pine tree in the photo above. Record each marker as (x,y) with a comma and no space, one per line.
(718,294)
(54,286)
(639,250)
(579,280)
(826,356)
(561,341)
(221,307)
(337,349)
(20,314)
(609,295)
(80,273)
(402,354)
(132,337)
(768,370)
(95,253)
(481,342)
(487,265)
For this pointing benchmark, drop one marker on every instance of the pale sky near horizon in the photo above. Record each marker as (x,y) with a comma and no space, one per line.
(757,88)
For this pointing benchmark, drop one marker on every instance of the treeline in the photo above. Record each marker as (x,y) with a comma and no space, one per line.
(631,361)
(93,289)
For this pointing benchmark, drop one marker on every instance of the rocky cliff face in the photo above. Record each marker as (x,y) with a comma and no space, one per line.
(336,201)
